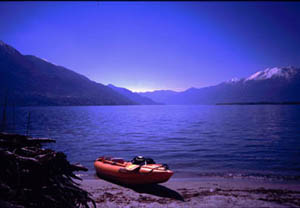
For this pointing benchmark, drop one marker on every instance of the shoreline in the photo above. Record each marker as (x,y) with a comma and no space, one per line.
(200,192)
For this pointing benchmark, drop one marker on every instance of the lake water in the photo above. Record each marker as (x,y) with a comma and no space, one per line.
(195,141)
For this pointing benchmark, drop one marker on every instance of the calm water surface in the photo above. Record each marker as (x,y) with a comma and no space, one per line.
(259,141)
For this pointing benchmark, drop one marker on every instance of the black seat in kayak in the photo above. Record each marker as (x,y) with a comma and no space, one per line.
(140,160)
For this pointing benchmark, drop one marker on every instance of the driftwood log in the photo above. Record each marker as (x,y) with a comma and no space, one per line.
(31,176)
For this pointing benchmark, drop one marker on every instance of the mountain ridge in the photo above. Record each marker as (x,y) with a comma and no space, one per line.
(29,80)
(277,84)
(133,95)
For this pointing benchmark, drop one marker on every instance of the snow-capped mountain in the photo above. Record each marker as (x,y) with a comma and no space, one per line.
(233,80)
(276,72)
(278,84)
(30,80)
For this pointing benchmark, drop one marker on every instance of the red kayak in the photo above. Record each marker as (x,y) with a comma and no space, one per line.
(136,172)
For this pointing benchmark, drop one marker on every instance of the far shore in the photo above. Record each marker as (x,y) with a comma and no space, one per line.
(203,192)
(260,103)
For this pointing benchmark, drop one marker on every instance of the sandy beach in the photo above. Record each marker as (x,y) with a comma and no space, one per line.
(202,192)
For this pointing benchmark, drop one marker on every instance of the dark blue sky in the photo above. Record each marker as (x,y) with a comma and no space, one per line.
(156,45)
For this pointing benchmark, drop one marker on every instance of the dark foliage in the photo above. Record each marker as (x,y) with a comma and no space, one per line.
(31,176)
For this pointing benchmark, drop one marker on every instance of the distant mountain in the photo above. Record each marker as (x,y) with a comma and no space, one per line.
(133,96)
(287,73)
(162,96)
(270,85)
(29,80)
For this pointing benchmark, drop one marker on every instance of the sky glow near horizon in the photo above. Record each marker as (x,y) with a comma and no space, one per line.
(147,46)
